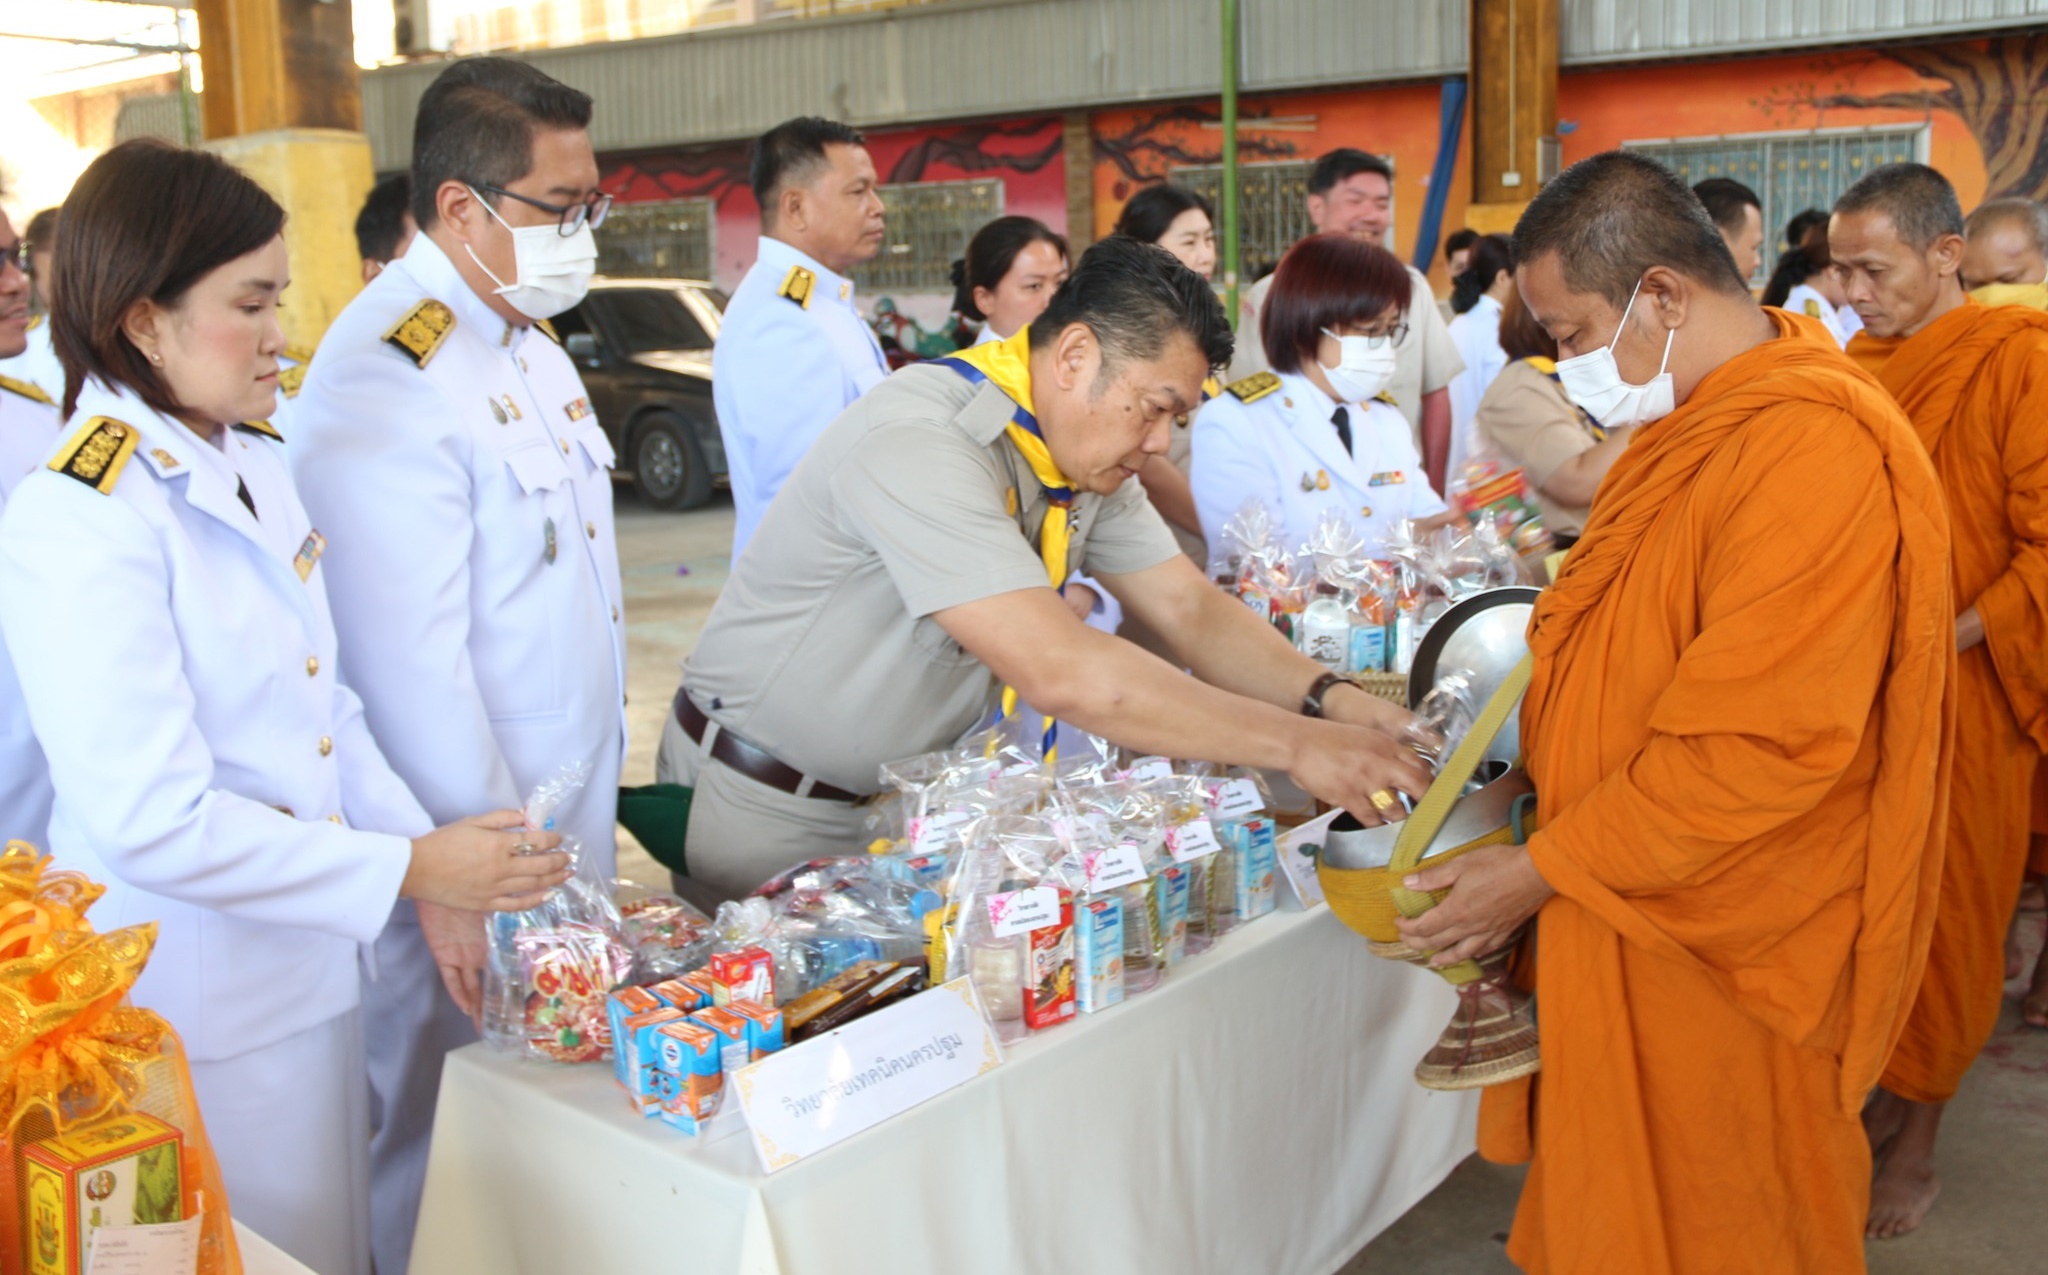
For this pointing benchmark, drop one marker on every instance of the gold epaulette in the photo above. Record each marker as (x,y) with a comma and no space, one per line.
(797,285)
(97,453)
(1812,308)
(27,389)
(1254,387)
(1387,397)
(264,428)
(299,353)
(420,333)
(290,379)
(35,321)
(548,330)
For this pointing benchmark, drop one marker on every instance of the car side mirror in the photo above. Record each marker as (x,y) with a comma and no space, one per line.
(582,346)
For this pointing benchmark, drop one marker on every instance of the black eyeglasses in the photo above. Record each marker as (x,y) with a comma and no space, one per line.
(16,256)
(590,212)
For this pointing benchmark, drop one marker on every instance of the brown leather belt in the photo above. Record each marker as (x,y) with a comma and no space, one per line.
(750,760)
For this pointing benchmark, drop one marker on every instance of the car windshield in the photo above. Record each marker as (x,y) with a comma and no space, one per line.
(649,319)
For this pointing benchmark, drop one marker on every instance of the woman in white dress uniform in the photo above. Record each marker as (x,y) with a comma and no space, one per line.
(1317,432)
(161,592)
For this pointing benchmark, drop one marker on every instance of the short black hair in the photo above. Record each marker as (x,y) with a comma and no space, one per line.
(1491,254)
(992,252)
(1725,199)
(1343,164)
(42,228)
(1134,296)
(790,154)
(1457,241)
(476,124)
(1920,201)
(1794,268)
(1610,218)
(381,223)
(145,221)
(1802,225)
(1150,213)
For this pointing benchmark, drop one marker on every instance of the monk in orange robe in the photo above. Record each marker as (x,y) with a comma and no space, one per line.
(1739,731)
(1974,380)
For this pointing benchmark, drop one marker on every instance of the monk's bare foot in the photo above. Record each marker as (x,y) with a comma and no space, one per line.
(2033,896)
(1882,1116)
(1905,1186)
(2015,948)
(2034,1009)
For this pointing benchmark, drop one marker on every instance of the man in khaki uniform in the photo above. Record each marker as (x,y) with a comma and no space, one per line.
(910,565)
(1352,193)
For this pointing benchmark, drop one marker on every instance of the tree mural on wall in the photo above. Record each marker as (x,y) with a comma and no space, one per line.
(1144,152)
(1998,88)
(970,149)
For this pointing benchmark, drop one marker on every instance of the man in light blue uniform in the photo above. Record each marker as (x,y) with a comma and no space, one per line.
(447,450)
(793,350)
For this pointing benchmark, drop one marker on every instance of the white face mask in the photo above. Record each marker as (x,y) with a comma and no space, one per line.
(1365,364)
(554,269)
(1594,382)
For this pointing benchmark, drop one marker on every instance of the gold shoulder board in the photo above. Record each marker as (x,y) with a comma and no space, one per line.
(422,330)
(290,379)
(96,454)
(1387,397)
(548,330)
(1254,387)
(265,428)
(1812,308)
(299,353)
(797,285)
(35,321)
(27,390)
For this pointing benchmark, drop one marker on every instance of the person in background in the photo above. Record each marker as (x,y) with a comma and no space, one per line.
(2005,253)
(1319,432)
(1742,754)
(1804,283)
(447,450)
(29,427)
(213,772)
(1457,256)
(912,570)
(384,227)
(1739,215)
(36,362)
(1012,267)
(1801,225)
(1351,192)
(1974,380)
(793,350)
(1527,418)
(1182,222)
(1476,334)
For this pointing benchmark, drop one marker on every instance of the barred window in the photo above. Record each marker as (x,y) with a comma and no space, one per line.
(929,224)
(1790,172)
(669,239)
(1272,207)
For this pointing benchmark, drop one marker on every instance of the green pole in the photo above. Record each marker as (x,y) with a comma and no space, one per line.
(1230,252)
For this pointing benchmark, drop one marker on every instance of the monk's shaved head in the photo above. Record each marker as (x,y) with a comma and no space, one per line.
(1920,202)
(2007,243)
(1609,218)
(2023,214)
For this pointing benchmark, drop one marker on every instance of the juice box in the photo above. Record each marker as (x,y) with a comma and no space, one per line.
(1049,971)
(1099,953)
(1169,904)
(689,1076)
(637,1048)
(731,1028)
(1257,857)
(685,993)
(764,1028)
(121,1170)
(745,975)
(621,1005)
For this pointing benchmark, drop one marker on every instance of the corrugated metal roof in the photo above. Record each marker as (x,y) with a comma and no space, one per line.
(979,58)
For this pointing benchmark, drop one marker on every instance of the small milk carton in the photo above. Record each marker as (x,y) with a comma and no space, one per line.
(637,1047)
(1169,904)
(745,975)
(689,1077)
(764,1028)
(621,1005)
(1099,952)
(733,1050)
(1049,971)
(1257,859)
(683,994)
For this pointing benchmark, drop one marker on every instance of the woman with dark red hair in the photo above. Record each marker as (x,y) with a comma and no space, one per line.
(1319,431)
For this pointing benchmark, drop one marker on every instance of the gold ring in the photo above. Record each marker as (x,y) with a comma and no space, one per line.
(1384,801)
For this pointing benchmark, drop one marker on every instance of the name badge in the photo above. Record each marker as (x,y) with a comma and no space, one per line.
(309,554)
(1393,479)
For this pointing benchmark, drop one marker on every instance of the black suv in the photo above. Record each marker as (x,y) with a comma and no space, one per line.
(643,347)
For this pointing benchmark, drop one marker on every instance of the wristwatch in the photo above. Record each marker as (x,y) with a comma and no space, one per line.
(1312,702)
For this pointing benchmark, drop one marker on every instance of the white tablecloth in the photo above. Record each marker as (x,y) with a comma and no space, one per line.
(1256,1112)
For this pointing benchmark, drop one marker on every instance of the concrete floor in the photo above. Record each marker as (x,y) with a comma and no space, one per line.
(1993,1215)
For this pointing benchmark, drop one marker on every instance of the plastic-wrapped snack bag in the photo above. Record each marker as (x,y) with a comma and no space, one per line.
(1490,491)
(668,936)
(550,968)
(1013,930)
(1238,805)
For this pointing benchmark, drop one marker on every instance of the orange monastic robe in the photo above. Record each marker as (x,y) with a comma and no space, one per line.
(1975,383)
(1739,731)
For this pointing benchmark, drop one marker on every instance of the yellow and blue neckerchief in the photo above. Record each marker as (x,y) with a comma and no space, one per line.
(1007,366)
(1549,368)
